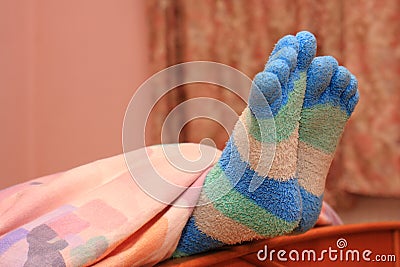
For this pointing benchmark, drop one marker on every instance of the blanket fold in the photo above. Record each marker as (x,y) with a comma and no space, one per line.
(96,214)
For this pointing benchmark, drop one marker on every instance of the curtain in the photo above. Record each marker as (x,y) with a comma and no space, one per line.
(362,34)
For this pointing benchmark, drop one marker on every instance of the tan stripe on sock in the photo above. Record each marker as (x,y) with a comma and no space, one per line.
(284,161)
(216,225)
(259,155)
(284,164)
(312,167)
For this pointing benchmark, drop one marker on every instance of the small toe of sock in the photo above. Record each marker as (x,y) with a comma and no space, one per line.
(307,49)
(341,79)
(265,91)
(319,76)
(349,98)
(352,103)
(351,88)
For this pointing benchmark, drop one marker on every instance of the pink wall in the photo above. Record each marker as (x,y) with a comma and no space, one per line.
(67,72)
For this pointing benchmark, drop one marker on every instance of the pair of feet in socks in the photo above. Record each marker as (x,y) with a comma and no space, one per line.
(310,99)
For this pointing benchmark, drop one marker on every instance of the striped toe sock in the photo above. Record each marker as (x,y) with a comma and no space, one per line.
(250,194)
(330,98)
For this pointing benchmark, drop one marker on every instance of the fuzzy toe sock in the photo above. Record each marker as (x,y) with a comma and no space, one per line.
(248,194)
(330,98)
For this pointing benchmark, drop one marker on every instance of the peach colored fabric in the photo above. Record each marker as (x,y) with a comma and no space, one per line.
(97,214)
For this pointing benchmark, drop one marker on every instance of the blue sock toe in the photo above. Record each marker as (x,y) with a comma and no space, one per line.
(307,49)
(287,54)
(265,94)
(341,78)
(287,41)
(339,82)
(352,103)
(319,76)
(349,98)
(280,68)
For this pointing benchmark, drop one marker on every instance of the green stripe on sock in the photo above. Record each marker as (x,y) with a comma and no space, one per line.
(178,254)
(287,118)
(320,117)
(241,209)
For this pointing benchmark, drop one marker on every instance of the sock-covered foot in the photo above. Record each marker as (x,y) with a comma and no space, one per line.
(330,98)
(242,198)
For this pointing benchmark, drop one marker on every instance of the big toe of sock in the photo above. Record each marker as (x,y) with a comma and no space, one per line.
(307,49)
(319,77)
(285,49)
(305,46)
(265,91)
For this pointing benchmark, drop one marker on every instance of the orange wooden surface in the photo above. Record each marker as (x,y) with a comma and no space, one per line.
(380,238)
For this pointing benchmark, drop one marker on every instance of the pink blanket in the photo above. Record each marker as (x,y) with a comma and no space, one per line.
(97,214)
